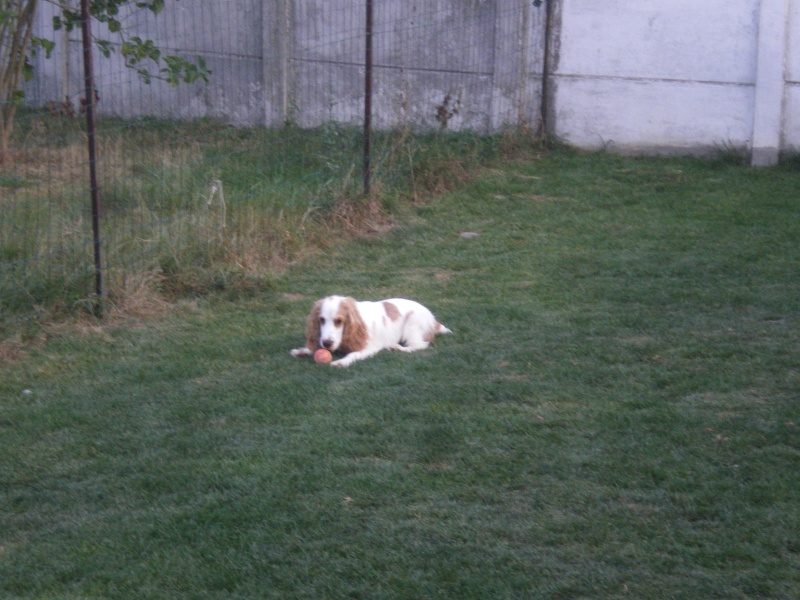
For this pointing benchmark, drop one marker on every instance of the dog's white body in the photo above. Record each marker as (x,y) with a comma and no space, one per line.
(362,329)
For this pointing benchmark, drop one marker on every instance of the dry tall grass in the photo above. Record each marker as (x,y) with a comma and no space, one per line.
(196,208)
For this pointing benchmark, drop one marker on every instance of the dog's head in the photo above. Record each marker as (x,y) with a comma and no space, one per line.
(335,324)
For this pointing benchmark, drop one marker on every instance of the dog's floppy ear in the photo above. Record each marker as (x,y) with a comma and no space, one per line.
(354,337)
(312,327)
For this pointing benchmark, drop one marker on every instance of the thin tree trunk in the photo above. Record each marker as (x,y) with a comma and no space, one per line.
(15,38)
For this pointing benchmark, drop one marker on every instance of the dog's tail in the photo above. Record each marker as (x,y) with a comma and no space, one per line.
(439,328)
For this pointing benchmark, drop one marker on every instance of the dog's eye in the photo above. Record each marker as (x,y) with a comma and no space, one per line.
(322,320)
(338,322)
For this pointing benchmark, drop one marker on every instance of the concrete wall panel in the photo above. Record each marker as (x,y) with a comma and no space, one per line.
(645,116)
(791,127)
(791,131)
(682,40)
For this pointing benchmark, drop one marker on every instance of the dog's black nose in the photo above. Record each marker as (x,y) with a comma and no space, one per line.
(327,344)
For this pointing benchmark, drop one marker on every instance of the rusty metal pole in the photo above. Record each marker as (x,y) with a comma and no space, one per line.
(368,99)
(91,128)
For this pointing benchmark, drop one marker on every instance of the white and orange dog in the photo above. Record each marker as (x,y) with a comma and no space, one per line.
(362,329)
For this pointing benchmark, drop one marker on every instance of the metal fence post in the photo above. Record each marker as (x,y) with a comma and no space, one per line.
(91,127)
(368,98)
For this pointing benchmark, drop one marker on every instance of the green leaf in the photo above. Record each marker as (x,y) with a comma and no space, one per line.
(48,46)
(27,71)
(106,48)
(156,6)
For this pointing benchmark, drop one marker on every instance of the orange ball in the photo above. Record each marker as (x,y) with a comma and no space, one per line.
(323,356)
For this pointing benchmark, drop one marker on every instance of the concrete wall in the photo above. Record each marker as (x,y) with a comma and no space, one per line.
(480,61)
(629,75)
(224,32)
(791,107)
(644,75)
(303,60)
(423,53)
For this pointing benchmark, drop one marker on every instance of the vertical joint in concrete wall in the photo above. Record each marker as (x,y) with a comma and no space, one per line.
(276,57)
(287,36)
(552,44)
(525,44)
(63,55)
(511,102)
(770,82)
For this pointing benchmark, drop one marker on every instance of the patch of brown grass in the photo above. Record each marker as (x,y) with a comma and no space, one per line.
(13,350)
(361,218)
(48,166)
(135,295)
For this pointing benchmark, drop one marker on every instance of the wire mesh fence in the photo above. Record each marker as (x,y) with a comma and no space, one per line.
(231,171)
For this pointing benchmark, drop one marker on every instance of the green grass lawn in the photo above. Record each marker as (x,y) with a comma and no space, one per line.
(615,416)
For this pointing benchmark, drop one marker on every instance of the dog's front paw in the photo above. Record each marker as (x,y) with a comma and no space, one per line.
(301,352)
